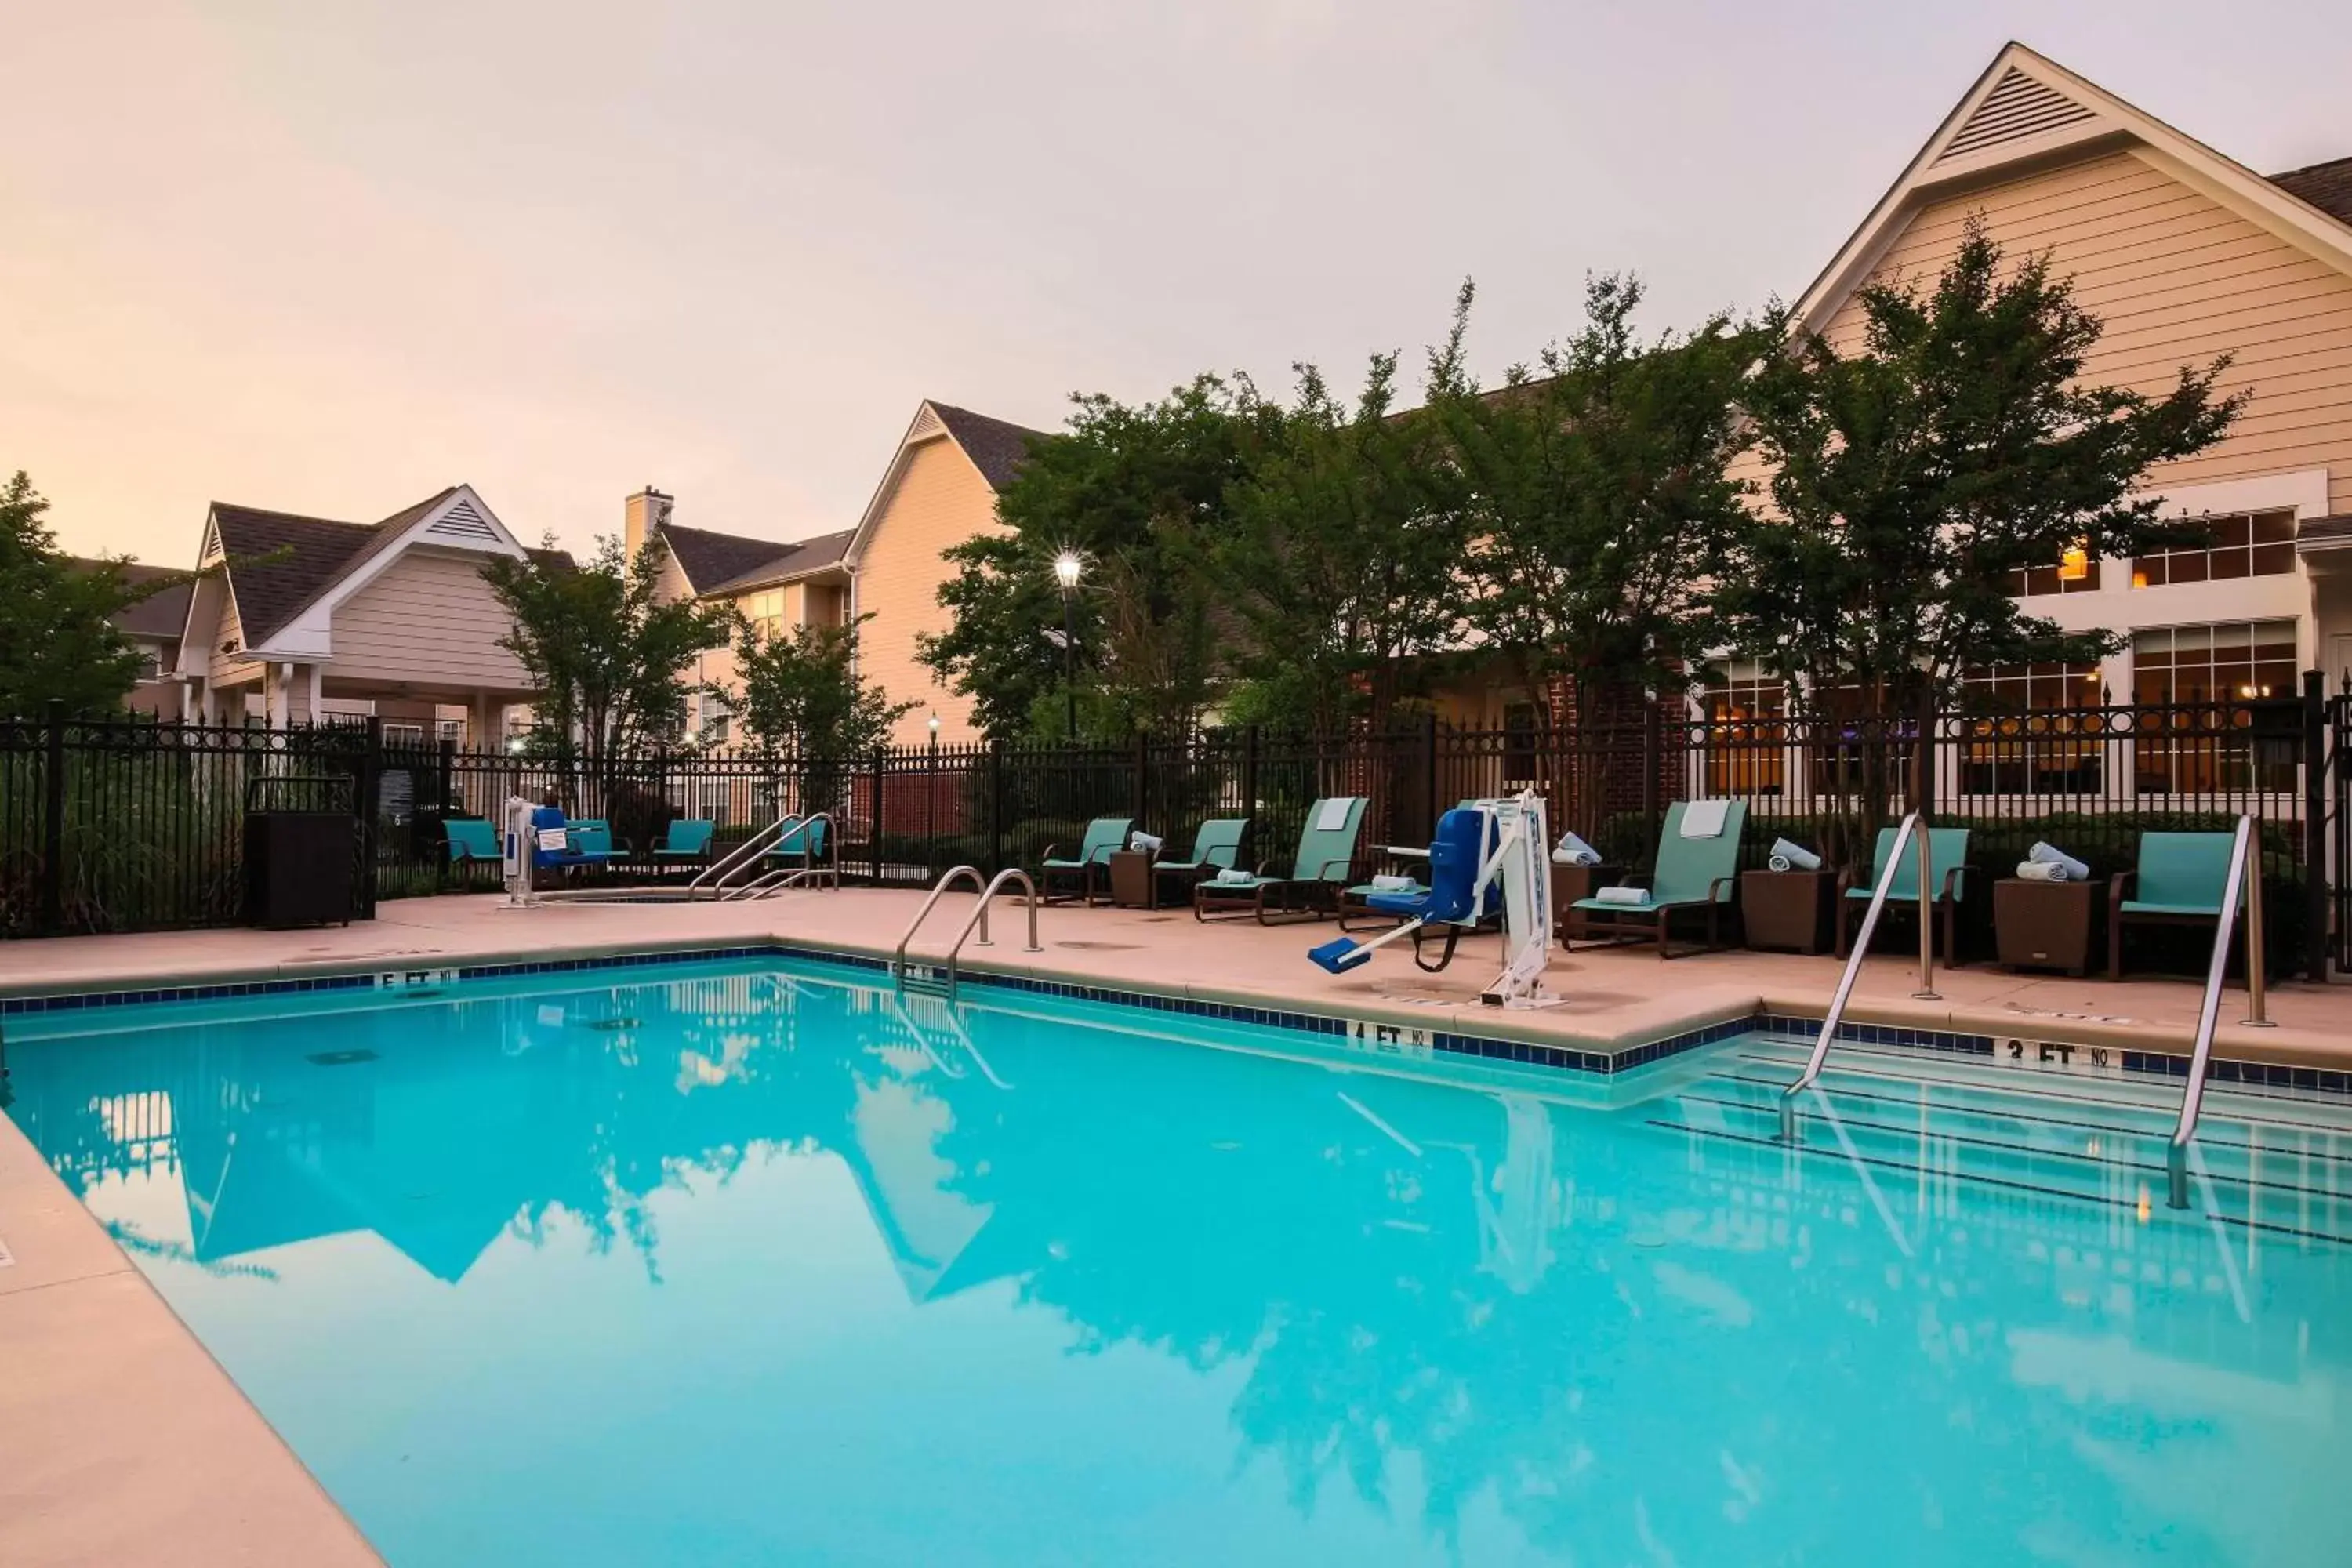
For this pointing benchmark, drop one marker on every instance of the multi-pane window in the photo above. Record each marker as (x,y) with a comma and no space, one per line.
(2026,734)
(1746,746)
(2077,571)
(2245,544)
(766,611)
(2190,681)
(2234,660)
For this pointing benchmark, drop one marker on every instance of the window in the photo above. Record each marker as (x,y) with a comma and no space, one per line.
(450,729)
(2245,544)
(1521,720)
(2029,732)
(766,611)
(403,733)
(2195,678)
(1746,746)
(2077,573)
(2233,661)
(151,661)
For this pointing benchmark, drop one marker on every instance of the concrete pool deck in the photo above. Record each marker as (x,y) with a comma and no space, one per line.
(122,1442)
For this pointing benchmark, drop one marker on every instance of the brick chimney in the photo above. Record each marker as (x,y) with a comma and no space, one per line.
(642,512)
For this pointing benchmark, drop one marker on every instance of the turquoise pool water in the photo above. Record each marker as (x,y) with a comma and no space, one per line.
(737,1265)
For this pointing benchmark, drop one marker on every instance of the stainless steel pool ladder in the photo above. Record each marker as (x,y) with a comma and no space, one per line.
(743,854)
(2246,880)
(1853,969)
(809,871)
(978,918)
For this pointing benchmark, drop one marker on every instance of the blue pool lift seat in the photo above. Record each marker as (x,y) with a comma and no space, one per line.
(1450,900)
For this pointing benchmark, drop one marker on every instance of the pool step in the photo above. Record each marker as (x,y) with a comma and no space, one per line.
(2278,1164)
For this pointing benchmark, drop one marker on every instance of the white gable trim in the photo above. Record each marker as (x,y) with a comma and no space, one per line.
(926,428)
(2025,111)
(462,521)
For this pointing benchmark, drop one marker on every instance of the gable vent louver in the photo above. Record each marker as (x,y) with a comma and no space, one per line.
(2018,106)
(927,425)
(462,521)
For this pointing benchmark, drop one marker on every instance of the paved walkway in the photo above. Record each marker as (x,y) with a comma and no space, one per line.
(1613,998)
(122,1442)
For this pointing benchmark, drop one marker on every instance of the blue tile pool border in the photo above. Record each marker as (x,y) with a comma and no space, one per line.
(2260,1076)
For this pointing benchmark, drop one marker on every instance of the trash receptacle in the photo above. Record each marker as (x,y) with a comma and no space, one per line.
(302,851)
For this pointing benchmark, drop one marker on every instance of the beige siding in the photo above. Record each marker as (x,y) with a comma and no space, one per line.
(2178,279)
(941,500)
(428,617)
(223,668)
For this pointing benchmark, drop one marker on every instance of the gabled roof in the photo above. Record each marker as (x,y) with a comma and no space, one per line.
(821,553)
(161,614)
(2027,110)
(280,566)
(720,562)
(996,447)
(2327,186)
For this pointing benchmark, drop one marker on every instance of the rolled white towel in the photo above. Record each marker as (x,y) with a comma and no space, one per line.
(1230,874)
(1390,882)
(2041,871)
(2073,871)
(1144,843)
(1622,895)
(1788,857)
(1575,851)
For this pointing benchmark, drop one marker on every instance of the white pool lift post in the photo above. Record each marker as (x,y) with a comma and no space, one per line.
(1512,867)
(517,844)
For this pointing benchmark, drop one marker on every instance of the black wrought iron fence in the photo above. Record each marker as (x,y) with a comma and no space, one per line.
(118,825)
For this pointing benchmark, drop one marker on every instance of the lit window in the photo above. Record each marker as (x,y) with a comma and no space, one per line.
(1745,743)
(2075,572)
(2211,669)
(766,611)
(2245,544)
(2025,735)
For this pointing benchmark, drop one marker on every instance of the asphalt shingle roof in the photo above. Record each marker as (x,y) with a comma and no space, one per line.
(996,446)
(2327,186)
(271,589)
(161,614)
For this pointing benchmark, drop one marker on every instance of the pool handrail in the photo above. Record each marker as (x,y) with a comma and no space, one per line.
(947,879)
(751,849)
(2208,1013)
(1902,833)
(980,915)
(809,869)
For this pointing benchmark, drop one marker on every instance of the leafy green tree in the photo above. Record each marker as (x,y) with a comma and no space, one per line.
(802,699)
(605,648)
(1598,491)
(1911,480)
(1138,495)
(57,638)
(1342,559)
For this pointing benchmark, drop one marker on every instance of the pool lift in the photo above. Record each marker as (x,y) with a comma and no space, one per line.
(1487,854)
(530,835)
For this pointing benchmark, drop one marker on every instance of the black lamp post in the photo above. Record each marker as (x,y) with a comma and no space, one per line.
(1066,567)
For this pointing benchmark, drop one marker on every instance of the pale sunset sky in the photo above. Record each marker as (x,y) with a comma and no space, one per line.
(327,256)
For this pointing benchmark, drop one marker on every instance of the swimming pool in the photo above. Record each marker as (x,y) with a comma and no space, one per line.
(753,1262)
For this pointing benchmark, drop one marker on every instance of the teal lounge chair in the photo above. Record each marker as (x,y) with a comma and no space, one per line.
(591,842)
(1217,847)
(1947,870)
(2179,880)
(804,842)
(684,839)
(1689,874)
(1105,836)
(1317,872)
(470,840)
